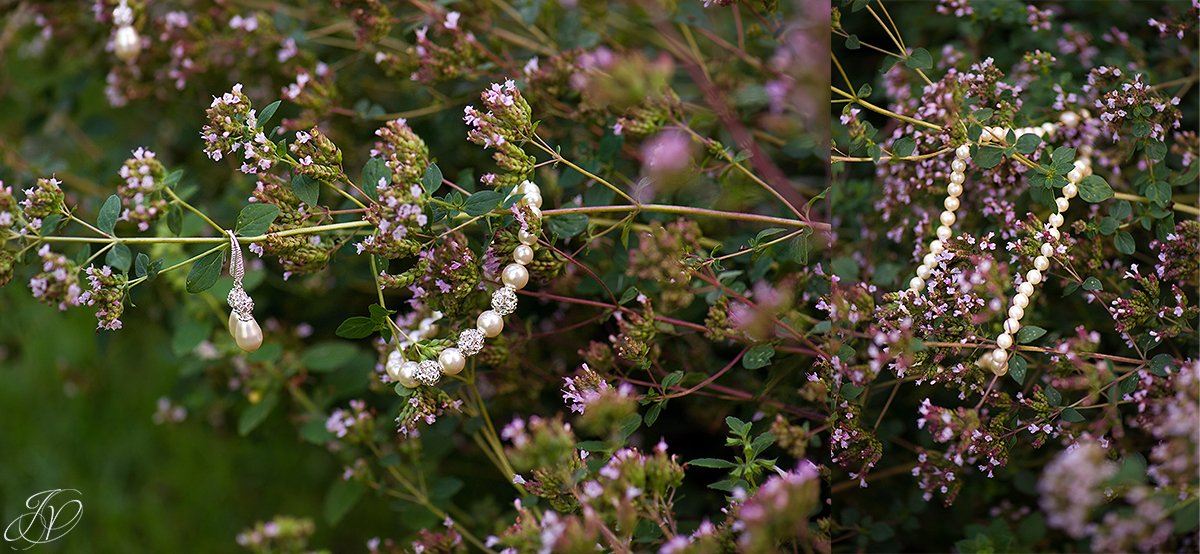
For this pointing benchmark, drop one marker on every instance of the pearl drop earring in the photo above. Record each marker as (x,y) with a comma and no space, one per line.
(126,42)
(245,330)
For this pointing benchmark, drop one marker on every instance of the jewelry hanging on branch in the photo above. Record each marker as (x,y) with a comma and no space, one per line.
(490,323)
(126,42)
(245,330)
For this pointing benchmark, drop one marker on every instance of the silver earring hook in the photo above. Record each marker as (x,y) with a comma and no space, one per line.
(237,268)
(242,304)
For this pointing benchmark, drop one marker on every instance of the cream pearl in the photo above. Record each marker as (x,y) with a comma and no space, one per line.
(1070,190)
(958,166)
(452,361)
(1082,164)
(1020,300)
(1048,128)
(1056,220)
(526,238)
(533,199)
(923,271)
(1026,288)
(1041,263)
(515,276)
(1047,250)
(247,334)
(963,151)
(527,187)
(127,44)
(1011,326)
(1055,233)
(1016,312)
(916,283)
(523,254)
(408,374)
(536,211)
(957,178)
(1005,340)
(490,323)
(944,233)
(954,189)
(1062,204)
(1000,358)
(930,260)
(947,218)
(1070,119)
(936,247)
(1034,276)
(951,203)
(1074,176)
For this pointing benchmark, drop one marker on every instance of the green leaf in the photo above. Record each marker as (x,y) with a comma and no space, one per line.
(257,413)
(904,147)
(568,225)
(255,219)
(175,219)
(1159,193)
(356,327)
(119,257)
(988,157)
(141,265)
(1156,150)
(109,213)
(374,171)
(919,59)
(1071,415)
(1053,397)
(761,443)
(716,463)
(342,496)
(1028,142)
(864,91)
(268,112)
(328,356)
(1124,243)
(432,179)
(759,356)
(653,413)
(850,391)
(1017,366)
(1030,333)
(307,189)
(629,294)
(482,202)
(1187,518)
(1094,188)
(1092,284)
(736,425)
(1160,365)
(173,178)
(852,42)
(672,379)
(205,271)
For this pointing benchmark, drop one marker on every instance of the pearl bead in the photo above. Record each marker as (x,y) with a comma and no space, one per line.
(526,238)
(1041,263)
(951,203)
(1016,312)
(533,199)
(1048,128)
(947,218)
(1020,300)
(452,361)
(963,152)
(1082,164)
(1011,326)
(247,334)
(1034,276)
(1005,340)
(957,177)
(527,187)
(1056,220)
(1062,204)
(1054,232)
(944,233)
(1047,250)
(936,247)
(490,323)
(916,283)
(930,260)
(515,276)
(958,166)
(537,212)
(923,271)
(1074,176)
(954,189)
(1026,288)
(408,374)
(523,254)
(1000,358)
(127,44)
(1070,119)
(1070,190)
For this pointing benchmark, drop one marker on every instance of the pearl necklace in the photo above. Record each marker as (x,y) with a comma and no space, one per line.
(490,323)
(997,359)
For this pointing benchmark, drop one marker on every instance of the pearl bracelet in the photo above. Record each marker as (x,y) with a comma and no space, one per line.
(490,323)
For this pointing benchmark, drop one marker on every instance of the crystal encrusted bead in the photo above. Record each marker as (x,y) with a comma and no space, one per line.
(470,342)
(504,301)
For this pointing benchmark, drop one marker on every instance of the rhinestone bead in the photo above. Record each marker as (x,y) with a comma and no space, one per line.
(504,301)
(470,342)
(428,373)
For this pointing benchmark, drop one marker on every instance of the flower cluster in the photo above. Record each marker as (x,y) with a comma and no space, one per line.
(452,276)
(8,207)
(372,19)
(602,407)
(504,127)
(401,205)
(232,125)
(353,425)
(457,53)
(282,534)
(107,293)
(1132,102)
(42,200)
(424,405)
(316,155)
(141,191)
(298,254)
(779,510)
(1072,485)
(662,256)
(543,454)
(633,486)
(58,283)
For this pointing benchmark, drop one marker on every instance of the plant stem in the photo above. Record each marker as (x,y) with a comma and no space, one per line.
(670,209)
(183,263)
(538,141)
(191,208)
(883,111)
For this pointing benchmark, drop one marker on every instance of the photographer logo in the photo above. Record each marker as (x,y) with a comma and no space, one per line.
(52,514)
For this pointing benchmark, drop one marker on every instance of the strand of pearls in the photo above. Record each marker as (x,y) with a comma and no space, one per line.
(126,42)
(490,323)
(958,175)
